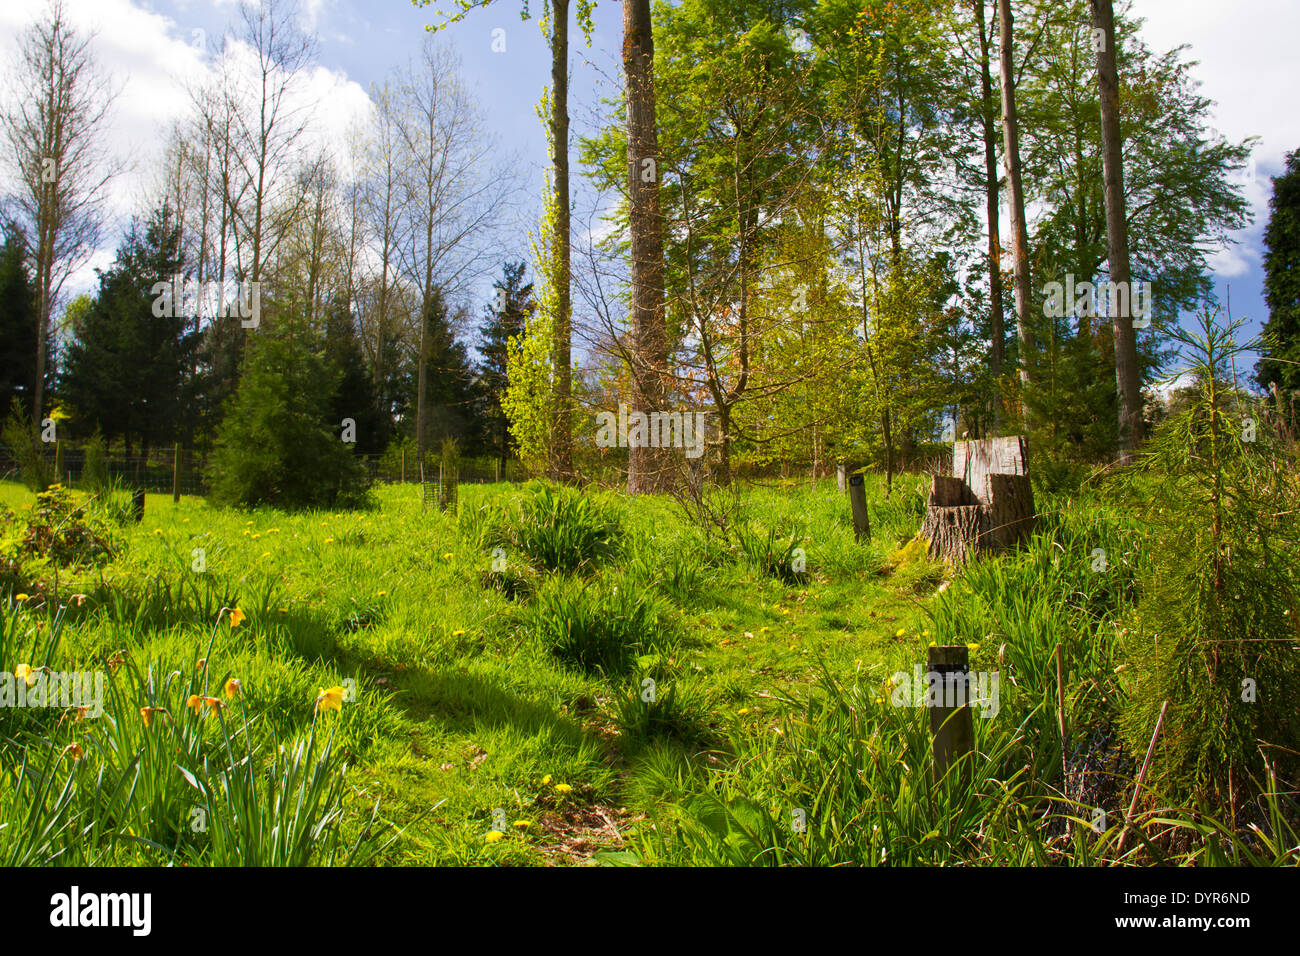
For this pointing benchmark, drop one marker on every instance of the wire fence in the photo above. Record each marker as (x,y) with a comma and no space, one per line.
(185,471)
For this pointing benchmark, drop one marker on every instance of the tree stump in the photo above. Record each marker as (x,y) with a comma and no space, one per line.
(953,532)
(986,505)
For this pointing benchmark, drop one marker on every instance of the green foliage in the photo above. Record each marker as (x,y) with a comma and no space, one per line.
(1215,632)
(277,444)
(601,625)
(1281,336)
(20,435)
(559,528)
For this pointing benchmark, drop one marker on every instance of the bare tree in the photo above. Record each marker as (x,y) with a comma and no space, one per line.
(53,138)
(453,195)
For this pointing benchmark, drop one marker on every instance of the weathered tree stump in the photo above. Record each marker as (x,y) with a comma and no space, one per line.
(986,505)
(953,531)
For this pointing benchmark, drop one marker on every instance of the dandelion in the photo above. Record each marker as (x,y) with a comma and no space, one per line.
(329,540)
(562,788)
(157,531)
(331,699)
(546,780)
(20,597)
(457,633)
(25,673)
(902,631)
(448,556)
(492,836)
(237,617)
(521,824)
(742,712)
(973,647)
(383,594)
(233,687)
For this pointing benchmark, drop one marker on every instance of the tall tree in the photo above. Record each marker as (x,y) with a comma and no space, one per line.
(1280,364)
(505,319)
(53,133)
(988,127)
(1127,375)
(649,351)
(1019,231)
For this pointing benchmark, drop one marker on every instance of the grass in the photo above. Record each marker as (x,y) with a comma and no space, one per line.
(592,670)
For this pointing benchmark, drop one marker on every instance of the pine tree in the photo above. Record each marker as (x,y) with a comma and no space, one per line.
(506,317)
(1281,361)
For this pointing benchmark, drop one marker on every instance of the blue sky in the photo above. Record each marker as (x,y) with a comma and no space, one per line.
(1247,63)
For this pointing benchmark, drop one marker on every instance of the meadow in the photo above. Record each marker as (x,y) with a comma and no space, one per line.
(554,676)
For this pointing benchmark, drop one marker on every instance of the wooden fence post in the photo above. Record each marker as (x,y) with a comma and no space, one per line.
(951,721)
(841,474)
(137,504)
(858,502)
(176,473)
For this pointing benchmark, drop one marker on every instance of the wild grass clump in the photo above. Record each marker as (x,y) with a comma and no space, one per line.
(558,528)
(601,625)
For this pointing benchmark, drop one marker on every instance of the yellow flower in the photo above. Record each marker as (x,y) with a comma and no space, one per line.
(448,556)
(562,788)
(195,703)
(24,673)
(146,713)
(329,540)
(492,836)
(233,687)
(901,631)
(80,712)
(74,751)
(331,699)
(546,779)
(973,647)
(743,711)
(272,530)
(20,597)
(236,617)
(201,663)
(522,824)
(157,531)
(457,633)
(383,593)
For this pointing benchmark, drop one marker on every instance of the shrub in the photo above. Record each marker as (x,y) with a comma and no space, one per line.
(1215,631)
(276,444)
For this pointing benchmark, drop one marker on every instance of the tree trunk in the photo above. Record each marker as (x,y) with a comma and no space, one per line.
(561,354)
(1019,230)
(646,471)
(1126,363)
(988,121)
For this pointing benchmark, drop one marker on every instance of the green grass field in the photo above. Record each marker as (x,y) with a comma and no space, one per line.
(495,712)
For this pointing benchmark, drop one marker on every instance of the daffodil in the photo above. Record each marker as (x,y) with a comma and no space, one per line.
(331,699)
(194,703)
(25,673)
(74,751)
(233,687)
(237,617)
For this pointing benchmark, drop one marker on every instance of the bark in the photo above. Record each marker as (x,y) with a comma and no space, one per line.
(1117,253)
(646,471)
(561,348)
(988,121)
(1019,238)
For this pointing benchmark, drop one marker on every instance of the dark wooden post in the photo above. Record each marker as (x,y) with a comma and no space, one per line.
(137,504)
(176,472)
(858,502)
(951,721)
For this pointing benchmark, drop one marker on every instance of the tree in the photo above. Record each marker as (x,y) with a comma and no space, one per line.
(1019,230)
(505,320)
(278,443)
(18,324)
(1280,365)
(52,131)
(1127,377)
(132,350)
(649,349)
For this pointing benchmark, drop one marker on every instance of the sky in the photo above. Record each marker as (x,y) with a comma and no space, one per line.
(1248,63)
